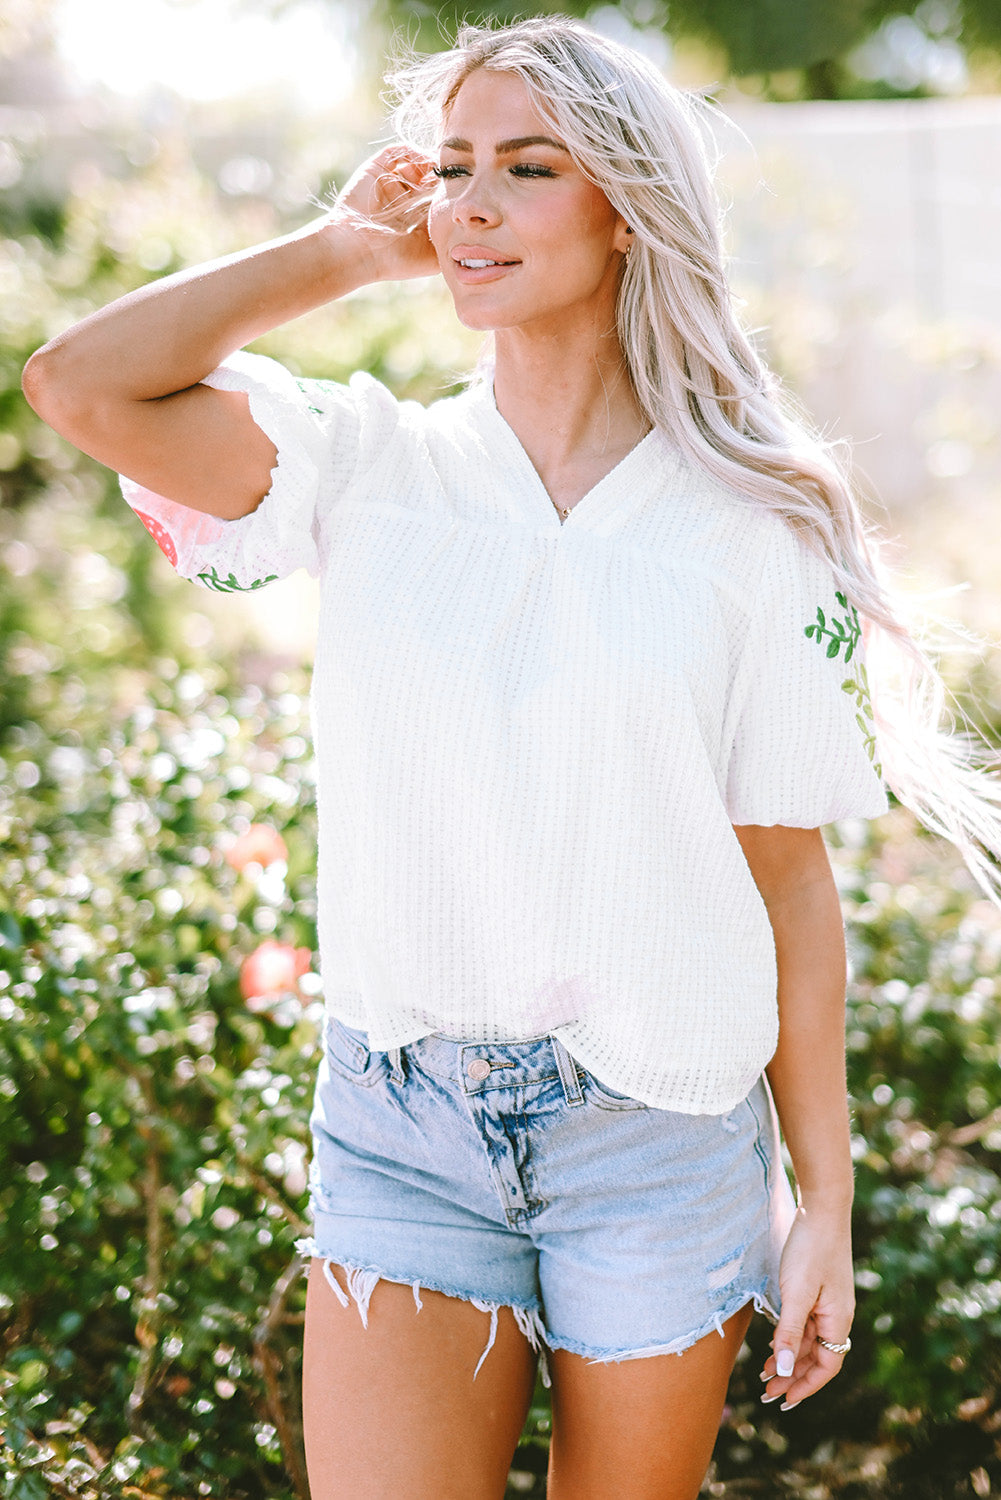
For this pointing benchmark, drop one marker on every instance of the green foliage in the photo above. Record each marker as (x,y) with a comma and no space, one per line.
(772,35)
(917,1407)
(753,37)
(428,28)
(924,1046)
(154,1127)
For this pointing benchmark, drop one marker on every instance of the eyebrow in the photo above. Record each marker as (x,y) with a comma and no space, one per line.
(505,148)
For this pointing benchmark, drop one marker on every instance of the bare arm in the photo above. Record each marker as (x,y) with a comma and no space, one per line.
(123,385)
(807,1075)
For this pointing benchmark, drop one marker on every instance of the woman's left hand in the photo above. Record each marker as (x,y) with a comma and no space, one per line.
(817,1287)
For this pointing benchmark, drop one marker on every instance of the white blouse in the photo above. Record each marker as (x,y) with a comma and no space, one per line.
(533,737)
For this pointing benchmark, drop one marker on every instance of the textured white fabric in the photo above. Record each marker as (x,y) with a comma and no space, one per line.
(533,737)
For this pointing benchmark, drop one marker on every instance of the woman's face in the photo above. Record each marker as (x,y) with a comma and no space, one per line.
(511,195)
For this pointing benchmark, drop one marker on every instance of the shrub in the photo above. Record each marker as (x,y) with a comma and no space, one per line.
(917,1409)
(154,1125)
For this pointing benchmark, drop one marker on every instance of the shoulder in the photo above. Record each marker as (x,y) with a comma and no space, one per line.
(379,408)
(729,530)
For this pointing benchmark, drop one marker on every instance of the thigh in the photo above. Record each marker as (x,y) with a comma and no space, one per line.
(392,1412)
(641,1429)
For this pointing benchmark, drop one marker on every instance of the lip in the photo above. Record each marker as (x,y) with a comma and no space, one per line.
(471,275)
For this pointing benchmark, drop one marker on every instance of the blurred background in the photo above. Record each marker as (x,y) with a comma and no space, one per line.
(157,932)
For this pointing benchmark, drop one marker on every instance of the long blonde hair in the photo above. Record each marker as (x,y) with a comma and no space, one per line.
(699,378)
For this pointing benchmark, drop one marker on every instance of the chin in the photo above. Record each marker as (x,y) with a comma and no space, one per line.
(477,324)
(479,319)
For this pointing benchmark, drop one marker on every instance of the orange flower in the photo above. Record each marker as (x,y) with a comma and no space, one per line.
(260,845)
(273,969)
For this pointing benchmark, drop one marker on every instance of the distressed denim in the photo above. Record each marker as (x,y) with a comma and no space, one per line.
(507,1175)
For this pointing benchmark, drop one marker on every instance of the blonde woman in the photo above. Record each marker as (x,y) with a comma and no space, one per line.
(589,680)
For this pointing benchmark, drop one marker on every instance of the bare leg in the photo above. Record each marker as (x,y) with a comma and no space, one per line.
(643,1429)
(392,1412)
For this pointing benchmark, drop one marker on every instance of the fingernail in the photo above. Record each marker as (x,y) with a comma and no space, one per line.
(789,1406)
(784,1362)
(765,1400)
(764,1375)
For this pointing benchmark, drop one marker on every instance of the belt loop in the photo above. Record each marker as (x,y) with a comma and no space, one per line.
(567,1068)
(397,1074)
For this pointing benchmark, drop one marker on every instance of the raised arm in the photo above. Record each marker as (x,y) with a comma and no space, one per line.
(123,385)
(807,1075)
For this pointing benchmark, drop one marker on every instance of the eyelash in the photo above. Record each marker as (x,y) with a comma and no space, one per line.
(520,169)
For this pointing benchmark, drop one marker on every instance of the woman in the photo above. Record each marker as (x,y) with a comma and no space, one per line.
(588,682)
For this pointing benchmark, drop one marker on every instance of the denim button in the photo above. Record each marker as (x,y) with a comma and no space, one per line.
(478,1068)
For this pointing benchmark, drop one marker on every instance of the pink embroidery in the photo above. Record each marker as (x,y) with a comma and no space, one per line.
(161,536)
(177,529)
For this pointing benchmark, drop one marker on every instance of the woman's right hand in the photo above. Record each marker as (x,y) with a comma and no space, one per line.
(386,203)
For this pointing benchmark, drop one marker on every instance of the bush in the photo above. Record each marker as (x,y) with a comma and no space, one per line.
(916,1411)
(154,1119)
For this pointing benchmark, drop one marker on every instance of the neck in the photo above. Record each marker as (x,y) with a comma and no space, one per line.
(561,397)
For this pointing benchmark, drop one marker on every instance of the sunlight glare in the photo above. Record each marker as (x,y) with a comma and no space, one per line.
(207,49)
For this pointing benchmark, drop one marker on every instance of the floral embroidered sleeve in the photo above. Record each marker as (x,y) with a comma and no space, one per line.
(801,736)
(846,633)
(317,428)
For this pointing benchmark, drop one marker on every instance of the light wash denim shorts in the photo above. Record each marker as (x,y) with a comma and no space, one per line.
(507,1175)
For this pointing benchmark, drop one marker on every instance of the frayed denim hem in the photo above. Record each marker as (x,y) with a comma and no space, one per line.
(676,1346)
(362,1281)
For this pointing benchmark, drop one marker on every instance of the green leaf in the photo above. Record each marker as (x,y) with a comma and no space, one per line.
(10,931)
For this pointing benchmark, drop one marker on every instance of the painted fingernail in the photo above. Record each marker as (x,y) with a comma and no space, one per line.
(765,1399)
(764,1375)
(789,1406)
(784,1362)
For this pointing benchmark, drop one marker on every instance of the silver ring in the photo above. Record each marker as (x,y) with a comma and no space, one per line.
(835,1348)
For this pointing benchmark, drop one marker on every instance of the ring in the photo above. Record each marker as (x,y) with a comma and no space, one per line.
(835,1348)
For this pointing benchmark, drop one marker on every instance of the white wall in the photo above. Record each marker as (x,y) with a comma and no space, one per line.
(868,238)
(917,183)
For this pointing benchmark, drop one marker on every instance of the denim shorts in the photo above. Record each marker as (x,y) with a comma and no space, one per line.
(507,1175)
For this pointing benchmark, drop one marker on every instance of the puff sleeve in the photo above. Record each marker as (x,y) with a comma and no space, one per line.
(322,432)
(802,749)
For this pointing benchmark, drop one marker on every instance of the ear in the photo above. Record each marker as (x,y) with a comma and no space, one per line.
(623,238)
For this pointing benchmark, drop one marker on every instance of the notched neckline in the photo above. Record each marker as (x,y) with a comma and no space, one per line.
(587,501)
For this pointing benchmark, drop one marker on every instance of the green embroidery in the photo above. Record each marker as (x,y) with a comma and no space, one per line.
(230,585)
(307,390)
(847,633)
(857,687)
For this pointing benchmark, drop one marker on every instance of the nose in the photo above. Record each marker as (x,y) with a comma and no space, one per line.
(474,204)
